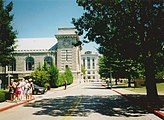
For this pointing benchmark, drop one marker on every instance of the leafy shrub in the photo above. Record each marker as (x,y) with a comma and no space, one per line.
(68,76)
(40,77)
(47,85)
(49,76)
(60,80)
(54,74)
(160,75)
(3,94)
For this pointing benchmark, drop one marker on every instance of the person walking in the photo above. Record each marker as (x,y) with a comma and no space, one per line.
(31,88)
(18,90)
(26,89)
(12,89)
(22,86)
(65,84)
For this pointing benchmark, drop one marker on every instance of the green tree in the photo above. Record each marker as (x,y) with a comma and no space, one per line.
(120,68)
(7,34)
(160,65)
(160,75)
(60,80)
(54,74)
(45,66)
(40,77)
(48,75)
(103,68)
(68,75)
(132,29)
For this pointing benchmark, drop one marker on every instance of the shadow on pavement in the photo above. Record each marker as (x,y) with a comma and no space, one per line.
(83,106)
(143,101)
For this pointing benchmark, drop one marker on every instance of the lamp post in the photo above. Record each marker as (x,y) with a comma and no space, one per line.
(11,67)
(9,76)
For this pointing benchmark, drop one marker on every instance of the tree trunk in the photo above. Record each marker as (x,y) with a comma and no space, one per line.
(150,79)
(148,54)
(116,81)
(129,82)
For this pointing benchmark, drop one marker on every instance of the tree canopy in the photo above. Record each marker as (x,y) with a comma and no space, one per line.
(125,29)
(7,34)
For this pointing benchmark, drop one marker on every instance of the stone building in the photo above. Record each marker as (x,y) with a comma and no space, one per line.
(32,52)
(90,63)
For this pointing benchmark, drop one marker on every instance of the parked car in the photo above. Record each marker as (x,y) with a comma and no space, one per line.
(39,90)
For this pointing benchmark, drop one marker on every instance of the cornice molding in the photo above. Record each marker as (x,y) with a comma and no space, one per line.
(67,36)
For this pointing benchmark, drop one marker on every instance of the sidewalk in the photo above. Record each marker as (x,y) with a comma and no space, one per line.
(8,104)
(141,100)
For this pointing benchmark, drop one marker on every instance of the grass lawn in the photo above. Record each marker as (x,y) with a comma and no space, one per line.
(160,88)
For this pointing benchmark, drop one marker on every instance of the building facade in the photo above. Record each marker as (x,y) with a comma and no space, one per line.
(32,52)
(67,54)
(90,64)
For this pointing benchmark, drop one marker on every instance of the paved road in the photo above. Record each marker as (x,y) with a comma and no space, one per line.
(88,101)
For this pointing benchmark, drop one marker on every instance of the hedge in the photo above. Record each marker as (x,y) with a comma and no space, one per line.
(4,95)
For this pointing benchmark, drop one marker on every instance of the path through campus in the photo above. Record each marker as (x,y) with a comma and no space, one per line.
(87,101)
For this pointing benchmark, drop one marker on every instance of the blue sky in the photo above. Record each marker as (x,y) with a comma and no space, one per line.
(42,18)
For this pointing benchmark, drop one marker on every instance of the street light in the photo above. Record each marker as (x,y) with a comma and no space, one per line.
(9,76)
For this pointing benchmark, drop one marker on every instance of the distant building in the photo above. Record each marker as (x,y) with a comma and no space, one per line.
(90,63)
(32,52)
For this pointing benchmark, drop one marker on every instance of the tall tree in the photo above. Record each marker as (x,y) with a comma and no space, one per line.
(120,68)
(54,74)
(68,75)
(132,28)
(40,76)
(7,34)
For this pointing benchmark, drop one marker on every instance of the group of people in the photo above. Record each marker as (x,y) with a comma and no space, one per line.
(20,89)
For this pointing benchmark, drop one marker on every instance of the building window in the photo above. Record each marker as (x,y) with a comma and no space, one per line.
(12,65)
(84,62)
(48,61)
(66,55)
(84,77)
(93,77)
(30,63)
(88,72)
(93,63)
(93,72)
(66,66)
(89,77)
(88,52)
(88,63)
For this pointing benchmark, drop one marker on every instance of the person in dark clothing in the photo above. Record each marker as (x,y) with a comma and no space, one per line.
(65,84)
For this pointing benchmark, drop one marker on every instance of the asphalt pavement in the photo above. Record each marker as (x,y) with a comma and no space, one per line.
(86,101)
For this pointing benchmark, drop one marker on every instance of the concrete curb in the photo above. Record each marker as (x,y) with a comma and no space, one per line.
(159,114)
(156,112)
(14,105)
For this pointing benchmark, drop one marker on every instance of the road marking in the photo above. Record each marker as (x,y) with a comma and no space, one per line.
(69,115)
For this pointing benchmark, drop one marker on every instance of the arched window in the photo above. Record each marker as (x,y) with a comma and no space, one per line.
(29,63)
(48,61)
(12,65)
